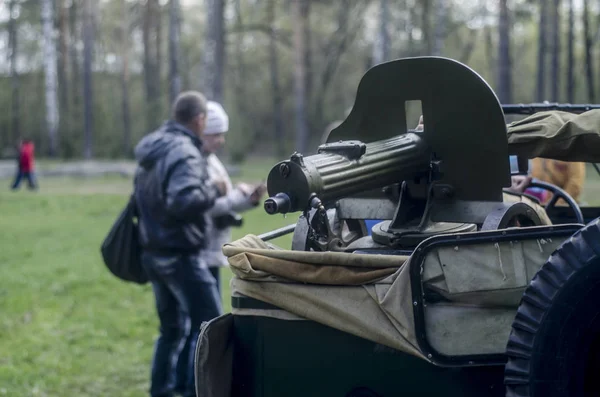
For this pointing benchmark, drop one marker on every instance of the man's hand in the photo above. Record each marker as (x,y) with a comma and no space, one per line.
(245,188)
(519,183)
(258,192)
(253,192)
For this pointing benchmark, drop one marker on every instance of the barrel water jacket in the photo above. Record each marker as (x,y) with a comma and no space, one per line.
(172,191)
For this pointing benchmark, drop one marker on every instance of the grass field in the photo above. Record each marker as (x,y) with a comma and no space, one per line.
(67,326)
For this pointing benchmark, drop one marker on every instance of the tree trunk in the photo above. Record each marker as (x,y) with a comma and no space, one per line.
(127,144)
(555,50)
(307,45)
(504,59)
(159,56)
(214,52)
(240,78)
(348,11)
(174,32)
(63,56)
(151,80)
(88,47)
(75,67)
(410,27)
(51,78)
(489,51)
(146,24)
(14,75)
(381,49)
(571,55)
(440,27)
(278,127)
(589,67)
(426,43)
(467,50)
(299,78)
(541,75)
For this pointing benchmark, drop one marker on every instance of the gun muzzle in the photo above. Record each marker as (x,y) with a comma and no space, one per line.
(335,173)
(278,204)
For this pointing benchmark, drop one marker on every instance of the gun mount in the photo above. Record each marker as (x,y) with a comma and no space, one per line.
(448,177)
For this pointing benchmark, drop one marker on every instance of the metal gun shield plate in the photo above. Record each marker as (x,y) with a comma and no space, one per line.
(463,119)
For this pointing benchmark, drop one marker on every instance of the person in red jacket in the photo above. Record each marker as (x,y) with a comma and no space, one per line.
(26,165)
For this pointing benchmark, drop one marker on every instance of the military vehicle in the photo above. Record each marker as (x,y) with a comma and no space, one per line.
(461,289)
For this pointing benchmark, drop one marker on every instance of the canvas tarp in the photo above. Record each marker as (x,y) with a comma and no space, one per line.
(481,282)
(539,210)
(557,135)
(253,259)
(493,274)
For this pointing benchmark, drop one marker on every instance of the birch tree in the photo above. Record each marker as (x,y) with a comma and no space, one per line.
(125,79)
(75,34)
(50,76)
(174,33)
(14,75)
(440,27)
(63,56)
(88,45)
(381,49)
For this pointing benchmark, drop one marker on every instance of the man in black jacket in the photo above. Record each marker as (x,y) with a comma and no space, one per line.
(173,193)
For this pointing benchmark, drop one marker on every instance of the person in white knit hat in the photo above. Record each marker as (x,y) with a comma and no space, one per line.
(223,215)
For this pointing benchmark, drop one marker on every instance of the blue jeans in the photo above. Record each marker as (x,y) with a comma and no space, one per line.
(186,295)
(31,180)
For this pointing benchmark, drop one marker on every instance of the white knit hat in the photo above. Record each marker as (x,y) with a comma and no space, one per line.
(217,121)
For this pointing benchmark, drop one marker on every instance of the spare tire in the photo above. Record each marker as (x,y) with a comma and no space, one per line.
(554,345)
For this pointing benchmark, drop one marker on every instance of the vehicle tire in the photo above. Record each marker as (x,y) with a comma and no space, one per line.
(554,345)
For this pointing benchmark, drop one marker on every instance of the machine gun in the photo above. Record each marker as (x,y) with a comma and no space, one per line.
(419,183)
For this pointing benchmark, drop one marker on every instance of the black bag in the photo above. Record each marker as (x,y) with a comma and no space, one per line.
(121,249)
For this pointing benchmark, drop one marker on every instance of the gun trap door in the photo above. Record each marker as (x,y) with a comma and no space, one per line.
(463,121)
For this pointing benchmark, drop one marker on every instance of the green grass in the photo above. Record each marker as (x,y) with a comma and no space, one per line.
(67,326)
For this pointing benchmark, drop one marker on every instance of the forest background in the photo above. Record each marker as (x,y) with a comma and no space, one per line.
(86,79)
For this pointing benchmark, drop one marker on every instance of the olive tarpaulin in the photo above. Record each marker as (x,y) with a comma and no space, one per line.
(557,135)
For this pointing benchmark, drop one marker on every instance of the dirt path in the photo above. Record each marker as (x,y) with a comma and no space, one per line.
(75,168)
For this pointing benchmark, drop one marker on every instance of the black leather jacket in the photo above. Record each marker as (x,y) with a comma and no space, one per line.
(172,190)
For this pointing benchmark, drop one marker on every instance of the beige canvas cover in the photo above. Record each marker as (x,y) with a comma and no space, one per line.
(539,210)
(253,259)
(557,135)
(482,282)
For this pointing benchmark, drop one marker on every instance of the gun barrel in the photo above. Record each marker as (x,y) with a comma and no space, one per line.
(531,108)
(331,176)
